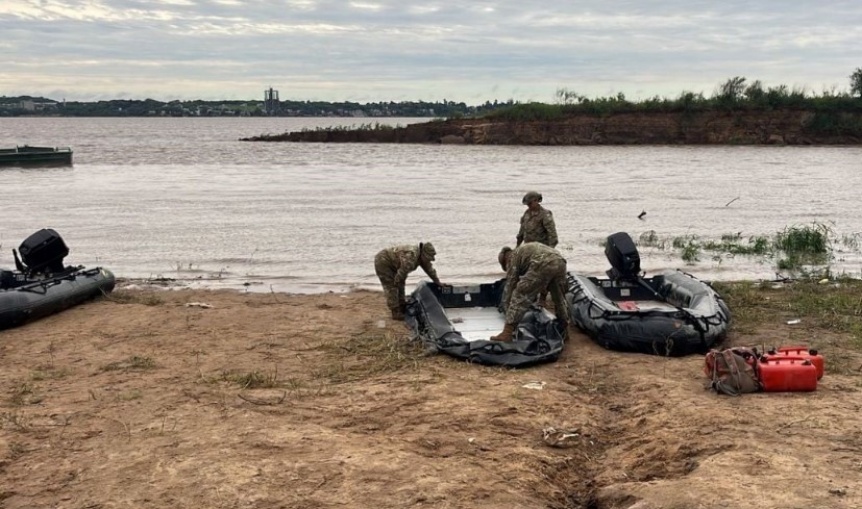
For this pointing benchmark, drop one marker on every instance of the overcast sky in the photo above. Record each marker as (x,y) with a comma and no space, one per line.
(403,50)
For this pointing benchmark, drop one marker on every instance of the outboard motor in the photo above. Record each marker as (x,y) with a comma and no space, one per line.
(42,252)
(7,279)
(621,251)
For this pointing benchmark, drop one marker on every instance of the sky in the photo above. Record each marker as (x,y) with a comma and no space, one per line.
(403,50)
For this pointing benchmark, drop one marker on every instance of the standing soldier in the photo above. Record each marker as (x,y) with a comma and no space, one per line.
(392,266)
(537,223)
(530,269)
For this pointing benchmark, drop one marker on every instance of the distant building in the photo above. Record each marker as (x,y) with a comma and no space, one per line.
(271,104)
(37,106)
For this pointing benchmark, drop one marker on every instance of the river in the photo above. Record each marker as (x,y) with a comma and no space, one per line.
(183,198)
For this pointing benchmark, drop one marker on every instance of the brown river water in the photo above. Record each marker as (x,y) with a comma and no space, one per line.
(182,198)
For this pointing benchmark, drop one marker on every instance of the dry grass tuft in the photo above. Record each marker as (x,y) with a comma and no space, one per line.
(134,362)
(48,372)
(147,298)
(253,379)
(367,354)
(14,421)
(23,394)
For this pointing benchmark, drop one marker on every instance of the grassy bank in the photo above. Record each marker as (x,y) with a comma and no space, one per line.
(825,314)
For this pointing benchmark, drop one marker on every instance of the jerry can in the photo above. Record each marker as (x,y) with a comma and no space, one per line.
(787,374)
(802,352)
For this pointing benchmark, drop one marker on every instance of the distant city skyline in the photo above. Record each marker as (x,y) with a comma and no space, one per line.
(370,51)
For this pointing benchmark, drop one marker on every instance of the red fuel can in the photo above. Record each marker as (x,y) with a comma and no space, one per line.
(787,374)
(805,353)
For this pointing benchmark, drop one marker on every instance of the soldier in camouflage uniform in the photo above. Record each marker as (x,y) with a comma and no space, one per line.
(537,223)
(392,266)
(530,268)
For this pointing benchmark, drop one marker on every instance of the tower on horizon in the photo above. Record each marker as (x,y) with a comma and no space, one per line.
(270,102)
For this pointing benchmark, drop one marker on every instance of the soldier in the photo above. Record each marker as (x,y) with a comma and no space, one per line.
(392,266)
(537,223)
(531,268)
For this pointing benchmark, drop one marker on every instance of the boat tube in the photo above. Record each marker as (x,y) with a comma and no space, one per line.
(671,314)
(42,285)
(459,320)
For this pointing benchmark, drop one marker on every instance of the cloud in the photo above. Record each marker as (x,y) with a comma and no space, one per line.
(368,50)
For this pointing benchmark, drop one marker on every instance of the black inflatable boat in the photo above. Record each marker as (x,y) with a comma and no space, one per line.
(672,314)
(459,320)
(42,285)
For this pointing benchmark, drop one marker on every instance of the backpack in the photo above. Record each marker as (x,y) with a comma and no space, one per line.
(732,371)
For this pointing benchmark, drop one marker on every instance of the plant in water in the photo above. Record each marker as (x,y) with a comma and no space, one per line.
(650,239)
(690,252)
(732,243)
(681,242)
(803,245)
(801,249)
(813,240)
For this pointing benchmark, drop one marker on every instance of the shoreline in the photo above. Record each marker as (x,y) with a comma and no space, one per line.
(255,286)
(310,289)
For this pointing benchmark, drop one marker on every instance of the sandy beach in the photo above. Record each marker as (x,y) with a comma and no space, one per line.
(223,399)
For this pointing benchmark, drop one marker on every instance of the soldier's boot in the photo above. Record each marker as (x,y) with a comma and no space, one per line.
(543,297)
(564,327)
(397,313)
(506,335)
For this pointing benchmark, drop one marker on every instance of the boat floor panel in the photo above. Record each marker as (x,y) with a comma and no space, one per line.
(644,305)
(476,323)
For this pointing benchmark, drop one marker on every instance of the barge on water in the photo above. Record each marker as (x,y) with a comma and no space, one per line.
(26,155)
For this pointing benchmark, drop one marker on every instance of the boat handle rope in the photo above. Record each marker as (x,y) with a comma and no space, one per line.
(48,283)
(43,285)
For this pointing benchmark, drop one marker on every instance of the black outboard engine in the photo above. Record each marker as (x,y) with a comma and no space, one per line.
(7,279)
(625,261)
(42,252)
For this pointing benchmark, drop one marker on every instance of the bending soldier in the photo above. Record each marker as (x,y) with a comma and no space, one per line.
(537,223)
(392,266)
(530,269)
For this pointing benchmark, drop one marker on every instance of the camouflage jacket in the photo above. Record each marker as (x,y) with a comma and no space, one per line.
(538,226)
(525,257)
(405,259)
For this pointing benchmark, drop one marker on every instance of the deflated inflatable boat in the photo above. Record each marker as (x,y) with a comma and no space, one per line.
(673,313)
(458,320)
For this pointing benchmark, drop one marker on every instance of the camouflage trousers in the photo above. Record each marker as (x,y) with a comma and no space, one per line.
(550,275)
(393,291)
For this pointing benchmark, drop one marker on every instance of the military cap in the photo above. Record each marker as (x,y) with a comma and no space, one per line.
(530,196)
(502,256)
(427,250)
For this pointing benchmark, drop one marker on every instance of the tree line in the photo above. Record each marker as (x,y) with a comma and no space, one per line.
(737,93)
(41,106)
